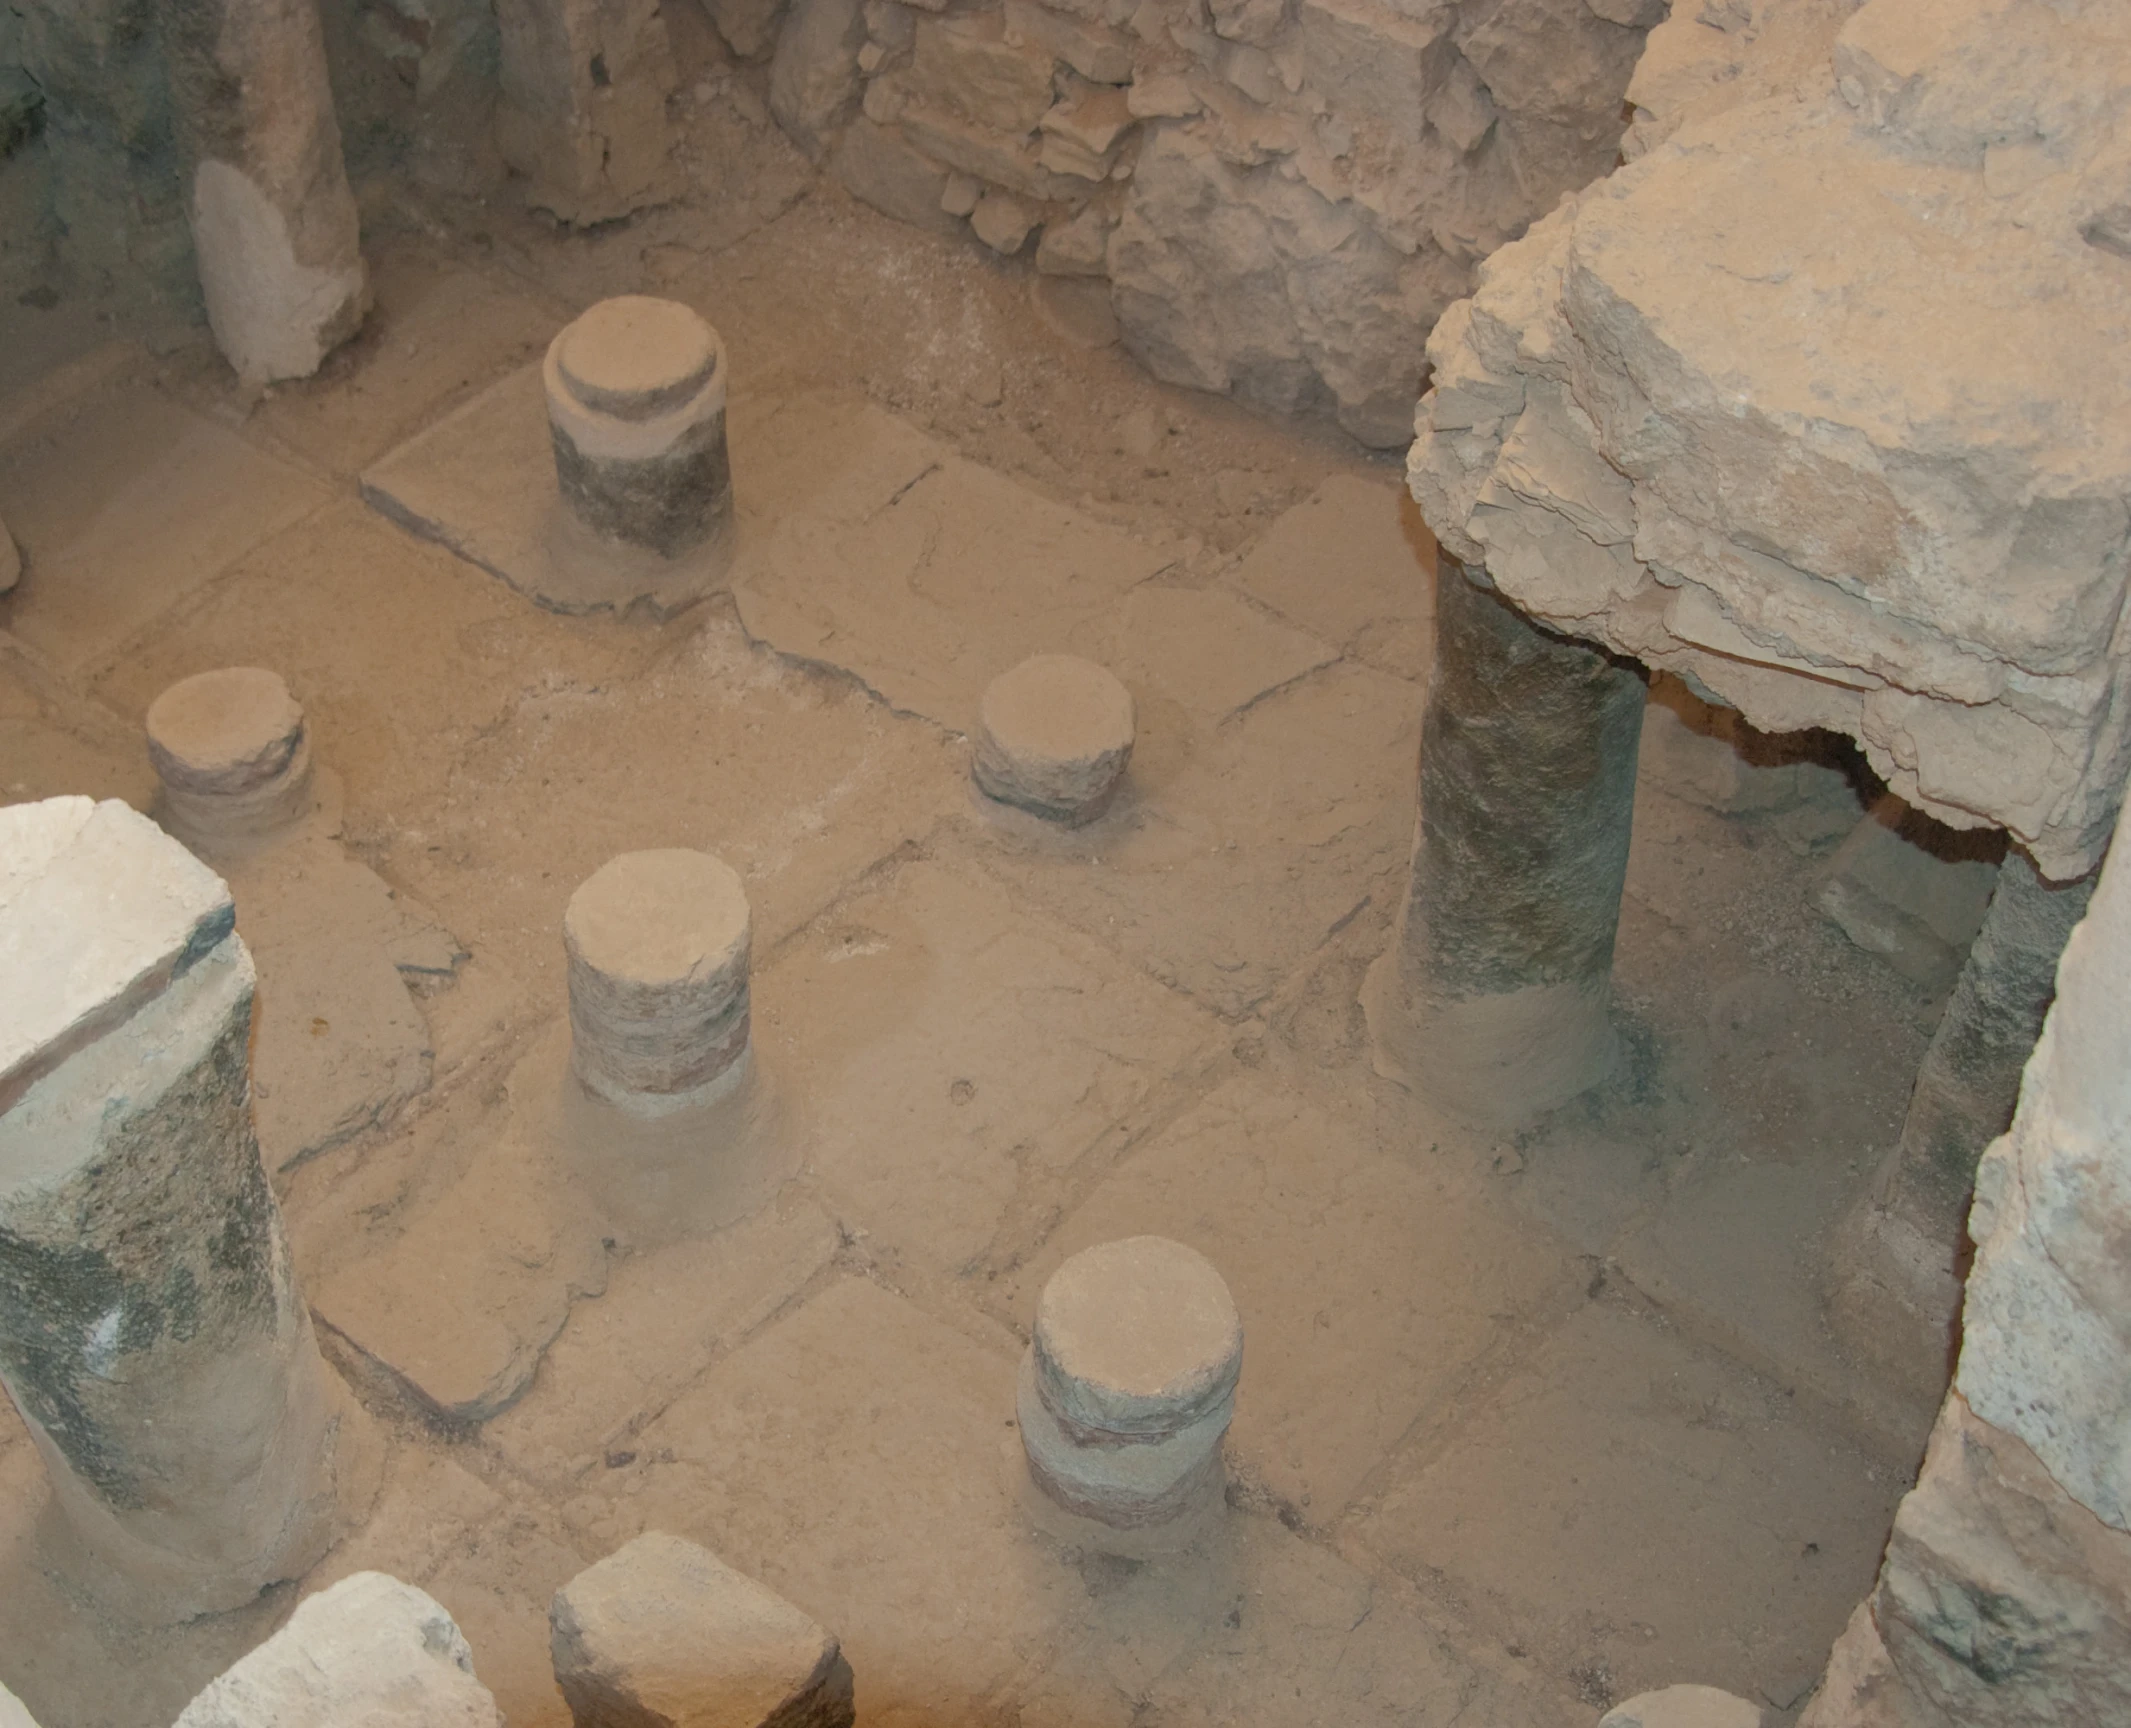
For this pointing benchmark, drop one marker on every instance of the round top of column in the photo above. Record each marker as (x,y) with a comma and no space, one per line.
(1056,708)
(225,731)
(1138,1336)
(662,918)
(635,357)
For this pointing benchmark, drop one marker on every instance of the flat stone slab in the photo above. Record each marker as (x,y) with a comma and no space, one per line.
(869,546)
(55,741)
(341,1041)
(125,502)
(481,482)
(1354,565)
(903,1025)
(1209,651)
(1652,1510)
(99,911)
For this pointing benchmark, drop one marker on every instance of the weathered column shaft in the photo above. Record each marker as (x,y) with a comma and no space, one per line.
(273,222)
(1495,996)
(150,1330)
(1894,1278)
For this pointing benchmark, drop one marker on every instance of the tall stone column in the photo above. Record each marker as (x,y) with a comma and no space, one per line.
(1895,1279)
(1494,999)
(151,1332)
(273,222)
(583,116)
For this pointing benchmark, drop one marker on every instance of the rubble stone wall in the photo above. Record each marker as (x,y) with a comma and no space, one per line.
(1283,195)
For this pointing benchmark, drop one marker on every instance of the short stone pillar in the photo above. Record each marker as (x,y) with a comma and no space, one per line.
(658,950)
(664,1633)
(151,1332)
(233,757)
(1053,737)
(1495,998)
(1129,1383)
(1894,1283)
(636,411)
(1684,1707)
(274,225)
(369,1650)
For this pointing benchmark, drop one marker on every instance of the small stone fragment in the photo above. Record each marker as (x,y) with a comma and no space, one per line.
(664,1634)
(658,947)
(1129,1382)
(1053,737)
(369,1650)
(1683,1707)
(233,756)
(961,193)
(1001,222)
(636,413)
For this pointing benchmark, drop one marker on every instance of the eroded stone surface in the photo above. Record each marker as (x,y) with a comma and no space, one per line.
(369,1650)
(1830,528)
(663,1634)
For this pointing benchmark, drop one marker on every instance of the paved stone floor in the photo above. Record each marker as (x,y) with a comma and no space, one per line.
(1527,1423)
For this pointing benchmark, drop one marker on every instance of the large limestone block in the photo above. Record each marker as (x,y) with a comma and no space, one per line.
(1703,414)
(664,1634)
(583,116)
(2046,1347)
(370,1652)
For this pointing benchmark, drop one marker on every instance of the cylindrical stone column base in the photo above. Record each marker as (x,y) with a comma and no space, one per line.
(233,756)
(151,1332)
(636,412)
(1495,998)
(658,953)
(1053,737)
(1129,1384)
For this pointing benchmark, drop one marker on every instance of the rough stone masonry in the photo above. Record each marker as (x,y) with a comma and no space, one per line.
(1282,195)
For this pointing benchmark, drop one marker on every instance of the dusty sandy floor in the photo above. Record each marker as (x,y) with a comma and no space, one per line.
(1527,1424)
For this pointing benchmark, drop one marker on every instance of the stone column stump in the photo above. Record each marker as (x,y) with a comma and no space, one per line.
(151,1331)
(658,964)
(1128,1386)
(233,756)
(1053,737)
(636,411)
